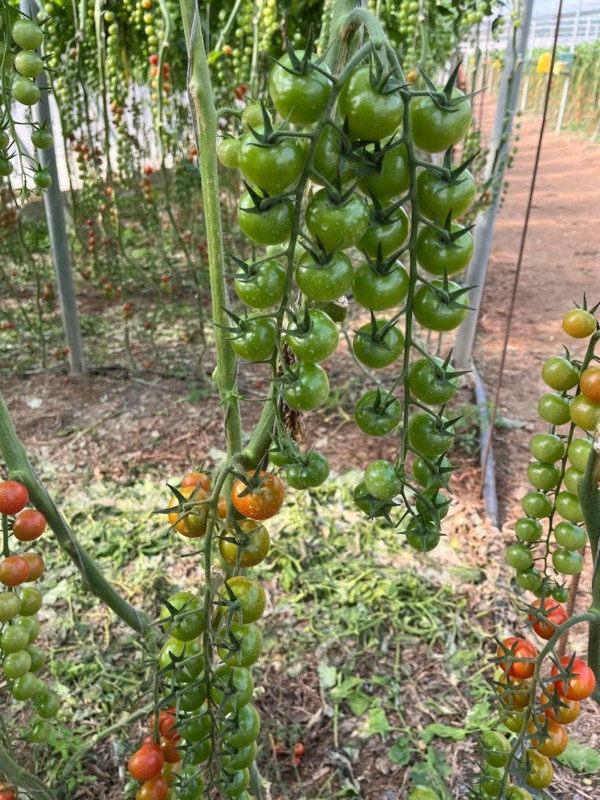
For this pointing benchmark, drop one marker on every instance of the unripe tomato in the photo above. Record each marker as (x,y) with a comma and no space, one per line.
(182,616)
(370,113)
(568,506)
(439,196)
(28,63)
(547,447)
(434,307)
(272,225)
(381,480)
(310,471)
(10,606)
(251,596)
(306,387)
(337,224)
(589,383)
(42,138)
(25,91)
(496,748)
(567,562)
(377,413)
(246,545)
(324,282)
(380,291)
(316,340)
(27,34)
(190,522)
(579,323)
(273,167)
(570,536)
(554,409)
(243,646)
(429,435)
(539,770)
(228,153)
(585,412)
(438,254)
(436,129)
(242,729)
(579,453)
(260,501)
(379,349)
(300,97)
(560,374)
(528,529)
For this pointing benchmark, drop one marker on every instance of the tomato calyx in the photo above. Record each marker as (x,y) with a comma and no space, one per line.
(261,200)
(377,333)
(446,98)
(372,506)
(304,65)
(187,504)
(381,81)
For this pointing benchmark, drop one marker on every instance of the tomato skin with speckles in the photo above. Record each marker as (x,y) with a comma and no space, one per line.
(261,503)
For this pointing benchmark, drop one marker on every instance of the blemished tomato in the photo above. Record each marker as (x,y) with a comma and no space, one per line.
(327,281)
(585,412)
(14,570)
(496,748)
(241,729)
(256,340)
(190,522)
(262,286)
(436,129)
(370,112)
(386,233)
(429,435)
(518,649)
(155,789)
(543,476)
(196,479)
(228,153)
(42,138)
(580,685)
(381,480)
(314,338)
(299,95)
(560,374)
(310,471)
(571,536)
(553,614)
(578,323)
(258,498)
(13,497)
(438,254)
(437,309)
(428,381)
(182,616)
(251,596)
(539,770)
(589,383)
(146,763)
(36,566)
(554,408)
(547,447)
(579,453)
(27,34)
(440,195)
(377,412)
(246,545)
(557,707)
(567,562)
(378,348)
(242,646)
(337,224)
(272,166)
(270,224)
(306,387)
(380,289)
(25,91)
(29,525)
(384,170)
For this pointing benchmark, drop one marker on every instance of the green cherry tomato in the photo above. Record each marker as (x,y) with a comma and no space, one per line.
(6,167)
(433,503)
(381,480)
(554,409)
(496,748)
(37,656)
(529,579)
(42,179)
(183,658)
(31,601)
(28,63)
(307,388)
(528,529)
(560,374)
(384,171)
(182,616)
(241,729)
(547,447)
(377,413)
(422,535)
(379,349)
(428,382)
(40,732)
(27,34)
(25,91)
(422,793)
(190,785)
(539,770)
(272,167)
(579,323)
(48,705)
(10,606)
(233,784)
(429,435)
(243,646)
(436,129)
(228,153)
(16,664)
(14,639)
(439,196)
(537,505)
(328,156)
(567,562)
(437,254)
(4,139)
(518,793)
(560,594)
(579,453)
(311,471)
(253,117)
(518,556)
(370,114)
(585,412)
(379,291)
(543,476)
(24,687)
(570,536)
(432,475)
(386,233)
(435,309)
(196,727)
(569,507)
(572,479)
(318,341)
(231,688)
(337,225)
(257,340)
(299,97)
(324,282)
(31,626)
(241,759)
(272,225)
(245,545)
(263,286)
(251,596)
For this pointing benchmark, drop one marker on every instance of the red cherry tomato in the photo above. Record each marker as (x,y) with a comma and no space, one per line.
(29,524)
(519,649)
(147,762)
(581,685)
(13,497)
(554,614)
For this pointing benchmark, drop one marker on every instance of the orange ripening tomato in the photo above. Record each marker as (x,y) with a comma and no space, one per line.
(589,383)
(557,707)
(262,501)
(191,523)
(553,741)
(36,566)
(195,478)
(580,685)
(147,762)
(554,614)
(29,525)
(14,571)
(518,649)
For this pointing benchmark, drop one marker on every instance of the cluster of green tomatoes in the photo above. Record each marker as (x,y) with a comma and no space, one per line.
(342,203)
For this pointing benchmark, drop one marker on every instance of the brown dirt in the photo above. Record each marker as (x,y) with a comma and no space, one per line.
(117,427)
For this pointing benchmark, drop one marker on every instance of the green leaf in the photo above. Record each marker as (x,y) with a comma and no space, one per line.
(580,757)
(399,752)
(443,732)
(359,703)
(377,721)
(345,689)
(327,675)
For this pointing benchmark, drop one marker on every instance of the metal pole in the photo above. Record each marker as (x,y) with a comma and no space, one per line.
(528,62)
(565,92)
(499,145)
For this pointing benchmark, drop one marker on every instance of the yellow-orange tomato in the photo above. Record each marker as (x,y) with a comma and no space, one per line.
(579,323)
(195,479)
(557,707)
(589,383)
(245,547)
(260,502)
(192,522)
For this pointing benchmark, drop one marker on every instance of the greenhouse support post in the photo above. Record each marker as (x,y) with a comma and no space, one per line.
(499,148)
(567,83)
